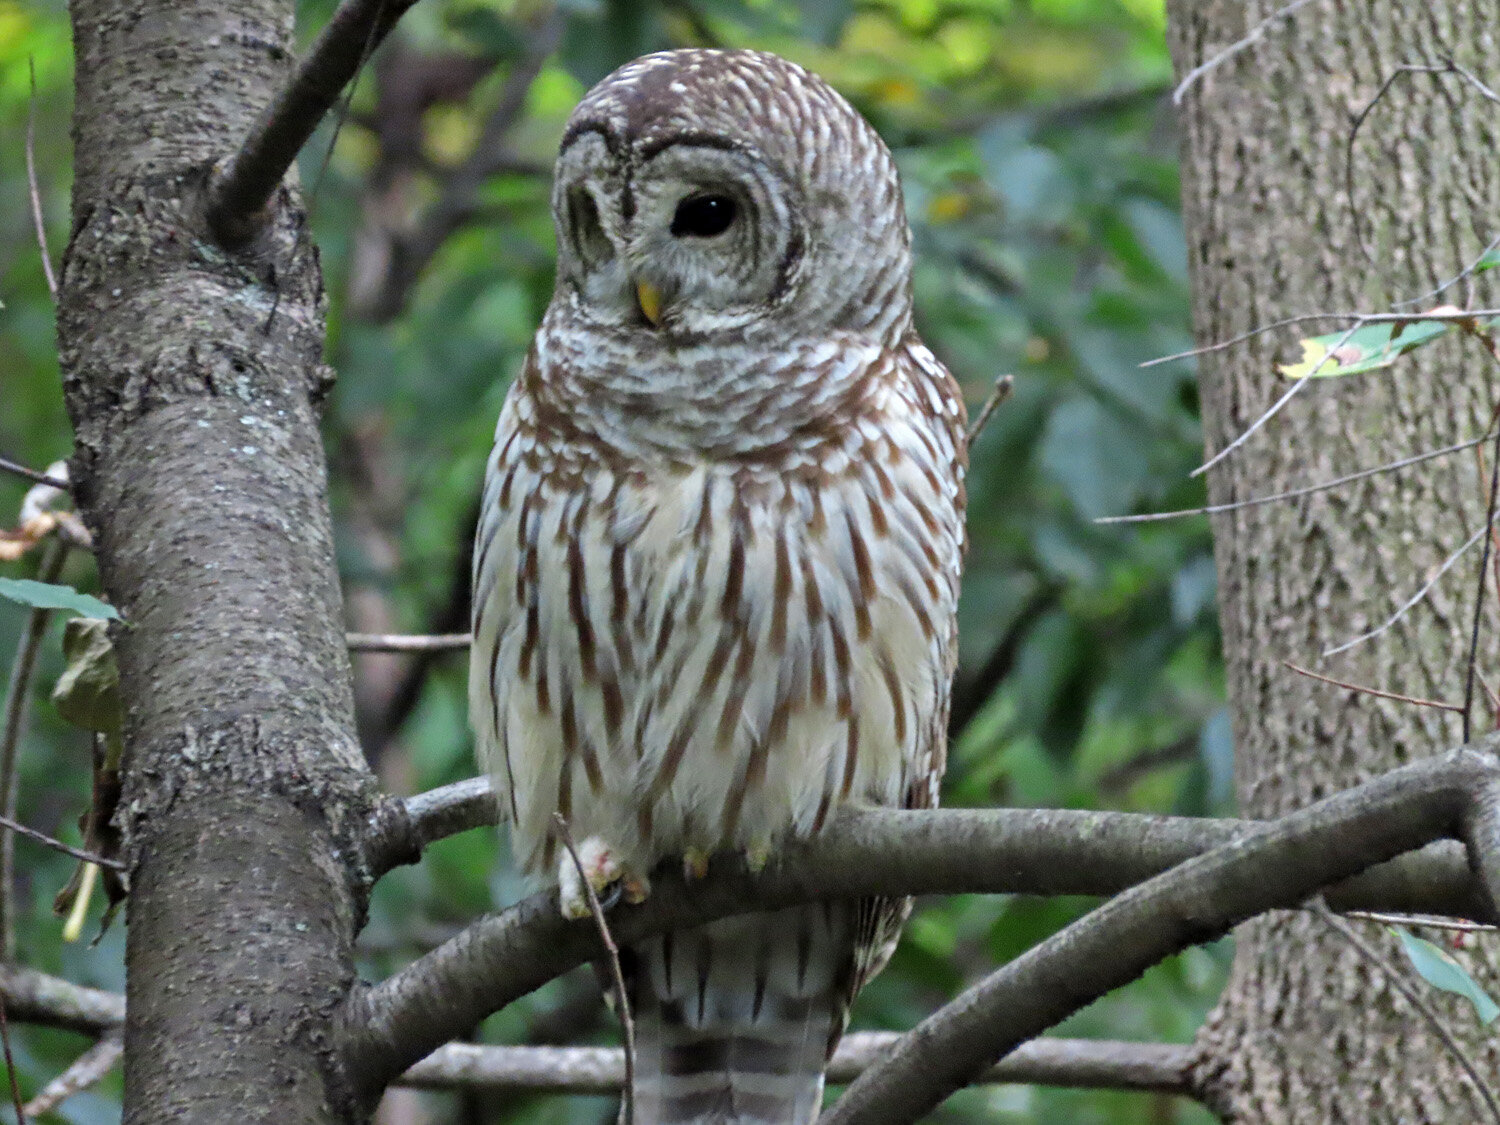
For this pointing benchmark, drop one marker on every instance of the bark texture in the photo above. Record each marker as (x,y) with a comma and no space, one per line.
(1307,1031)
(192,376)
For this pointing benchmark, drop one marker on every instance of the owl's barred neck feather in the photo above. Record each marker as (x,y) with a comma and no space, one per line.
(724,402)
(716,572)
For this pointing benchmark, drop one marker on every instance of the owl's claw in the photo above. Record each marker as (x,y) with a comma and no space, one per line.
(757,855)
(694,864)
(607,876)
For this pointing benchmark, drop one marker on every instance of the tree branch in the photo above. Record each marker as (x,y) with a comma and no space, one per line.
(33,997)
(1079,1063)
(1010,851)
(237,197)
(1280,864)
(891,853)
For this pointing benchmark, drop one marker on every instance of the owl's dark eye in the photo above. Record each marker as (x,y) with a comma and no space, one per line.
(703,216)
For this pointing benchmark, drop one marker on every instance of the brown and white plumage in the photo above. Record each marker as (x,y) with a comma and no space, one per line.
(718,557)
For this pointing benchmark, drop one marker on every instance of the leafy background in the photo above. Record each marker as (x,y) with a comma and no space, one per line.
(1039,156)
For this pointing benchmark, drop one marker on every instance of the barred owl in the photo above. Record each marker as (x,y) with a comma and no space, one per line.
(718,557)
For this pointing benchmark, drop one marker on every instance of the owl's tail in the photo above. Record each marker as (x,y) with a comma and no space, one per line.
(734,1022)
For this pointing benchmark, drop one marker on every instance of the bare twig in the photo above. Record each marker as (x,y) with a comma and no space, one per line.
(1219,58)
(1359,120)
(1424,921)
(37,219)
(1484,566)
(1399,982)
(17,469)
(1374,691)
(238,195)
(1076,1063)
(1310,490)
(17,698)
(1276,406)
(622,996)
(1361,318)
(407,642)
(58,846)
(1003,386)
(87,1069)
(10,1066)
(1414,599)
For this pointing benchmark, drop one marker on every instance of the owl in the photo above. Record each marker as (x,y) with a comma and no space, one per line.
(718,558)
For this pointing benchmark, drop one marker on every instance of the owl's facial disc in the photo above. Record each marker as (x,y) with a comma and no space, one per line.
(689,237)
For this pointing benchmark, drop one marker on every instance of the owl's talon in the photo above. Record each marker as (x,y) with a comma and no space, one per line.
(694,864)
(636,888)
(606,875)
(757,855)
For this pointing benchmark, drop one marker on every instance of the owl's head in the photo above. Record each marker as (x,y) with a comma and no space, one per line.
(700,192)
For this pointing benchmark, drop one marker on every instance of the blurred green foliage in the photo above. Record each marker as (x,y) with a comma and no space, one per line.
(1040,167)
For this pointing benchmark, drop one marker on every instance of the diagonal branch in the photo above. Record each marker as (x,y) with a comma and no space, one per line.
(1280,864)
(892,853)
(238,194)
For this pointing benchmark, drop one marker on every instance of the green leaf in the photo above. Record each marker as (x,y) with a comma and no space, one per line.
(1368,348)
(1488,260)
(44,595)
(1443,972)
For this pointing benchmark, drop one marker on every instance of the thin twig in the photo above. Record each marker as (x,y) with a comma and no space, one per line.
(87,1069)
(1416,1000)
(1276,406)
(1236,505)
(31,182)
(1218,59)
(1444,286)
(627,1024)
(58,846)
(10,1066)
(1425,921)
(17,469)
(1003,386)
(1415,598)
(1361,320)
(1359,120)
(407,642)
(18,696)
(1441,706)
(338,125)
(1484,566)
(237,197)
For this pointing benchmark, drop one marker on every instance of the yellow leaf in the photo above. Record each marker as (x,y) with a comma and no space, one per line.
(1313,356)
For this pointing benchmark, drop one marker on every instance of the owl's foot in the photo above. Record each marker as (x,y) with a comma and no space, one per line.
(607,876)
(757,855)
(694,864)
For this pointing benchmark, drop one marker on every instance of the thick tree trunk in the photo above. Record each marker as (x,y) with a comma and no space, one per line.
(192,376)
(1307,1031)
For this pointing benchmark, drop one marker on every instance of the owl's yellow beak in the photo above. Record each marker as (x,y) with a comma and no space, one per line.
(648,297)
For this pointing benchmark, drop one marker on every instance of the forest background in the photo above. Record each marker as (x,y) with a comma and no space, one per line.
(1037,145)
